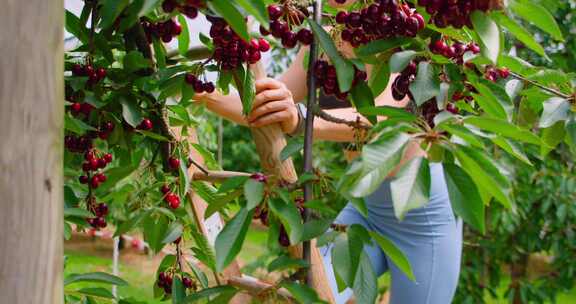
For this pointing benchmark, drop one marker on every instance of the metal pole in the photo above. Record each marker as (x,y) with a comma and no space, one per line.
(309,132)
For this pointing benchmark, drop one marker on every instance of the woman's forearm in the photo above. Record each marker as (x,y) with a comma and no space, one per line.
(331,131)
(227,106)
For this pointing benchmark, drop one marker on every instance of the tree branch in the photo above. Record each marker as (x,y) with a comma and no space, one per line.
(543,87)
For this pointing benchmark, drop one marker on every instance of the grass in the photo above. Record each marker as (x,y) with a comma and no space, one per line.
(253,254)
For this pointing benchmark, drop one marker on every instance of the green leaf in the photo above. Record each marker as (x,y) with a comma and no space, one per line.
(314,228)
(155,227)
(159,52)
(131,222)
(503,128)
(294,145)
(77,126)
(464,196)
(184,37)
(390,112)
(110,10)
(484,174)
(178,291)
(134,61)
(365,282)
(519,32)
(232,183)
(183,178)
(571,134)
(246,87)
(198,273)
(489,34)
(78,212)
(426,84)
(75,27)
(379,77)
(257,9)
(207,293)
(220,202)
(283,262)
(512,148)
(231,14)
(463,133)
(302,293)
(290,218)
(96,292)
(394,253)
(362,98)
(490,105)
(379,46)
(344,67)
(153,135)
(130,111)
(95,277)
(229,241)
(555,109)
(400,60)
(173,232)
(342,262)
(378,160)
(254,193)
(411,186)
(552,136)
(537,15)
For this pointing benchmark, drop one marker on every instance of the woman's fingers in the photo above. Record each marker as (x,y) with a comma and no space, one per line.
(276,117)
(268,84)
(270,95)
(267,108)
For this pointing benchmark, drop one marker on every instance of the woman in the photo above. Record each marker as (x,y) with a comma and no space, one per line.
(430,236)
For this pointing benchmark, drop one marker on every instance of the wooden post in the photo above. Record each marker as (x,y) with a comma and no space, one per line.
(31,137)
(269,142)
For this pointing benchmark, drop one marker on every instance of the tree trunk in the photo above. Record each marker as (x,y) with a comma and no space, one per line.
(31,122)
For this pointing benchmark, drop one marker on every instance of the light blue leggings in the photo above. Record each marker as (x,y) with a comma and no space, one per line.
(431,238)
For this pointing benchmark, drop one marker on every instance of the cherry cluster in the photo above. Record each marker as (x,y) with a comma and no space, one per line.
(93,164)
(230,50)
(106,129)
(494,74)
(382,20)
(78,144)
(165,280)
(172,199)
(199,85)
(189,8)
(455,51)
(401,84)
(325,75)
(455,13)
(94,75)
(164,30)
(100,211)
(283,19)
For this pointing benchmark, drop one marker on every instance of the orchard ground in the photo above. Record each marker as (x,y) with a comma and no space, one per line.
(84,254)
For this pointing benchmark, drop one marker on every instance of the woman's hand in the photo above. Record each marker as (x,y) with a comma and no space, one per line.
(273,104)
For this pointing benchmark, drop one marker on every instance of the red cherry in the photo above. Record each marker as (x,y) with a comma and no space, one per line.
(263,45)
(86,108)
(190,78)
(254,57)
(75,107)
(176,29)
(108,158)
(175,203)
(165,189)
(173,163)
(305,36)
(146,124)
(77,70)
(504,72)
(187,282)
(341,17)
(421,22)
(94,183)
(274,11)
(101,210)
(101,73)
(209,87)
(101,177)
(452,108)
(83,179)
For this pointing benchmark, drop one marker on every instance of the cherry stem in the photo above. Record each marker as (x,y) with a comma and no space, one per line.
(543,87)
(356,124)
